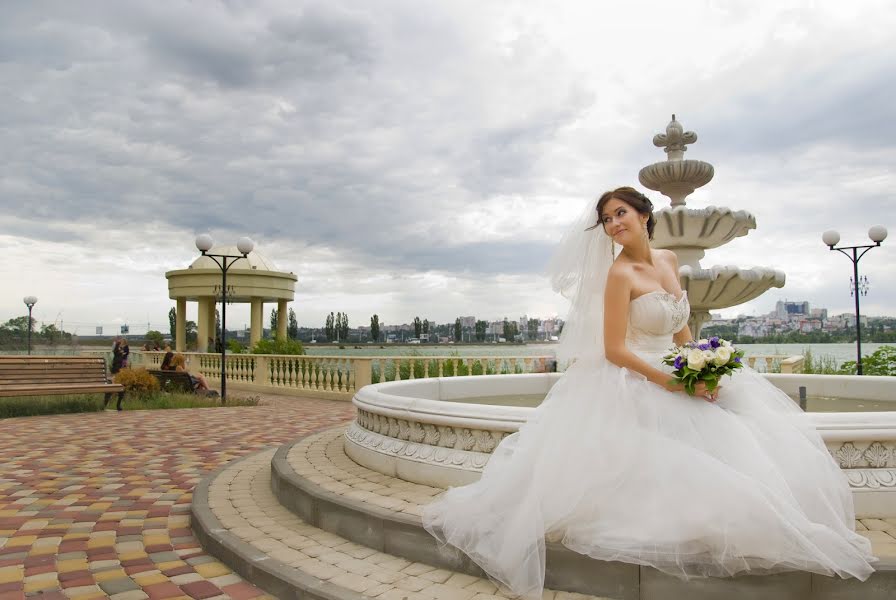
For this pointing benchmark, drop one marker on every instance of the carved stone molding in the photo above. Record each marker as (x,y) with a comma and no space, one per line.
(871,479)
(442,436)
(433,455)
(858,455)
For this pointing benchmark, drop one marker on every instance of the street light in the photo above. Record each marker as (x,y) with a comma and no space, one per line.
(831,239)
(29,301)
(204,243)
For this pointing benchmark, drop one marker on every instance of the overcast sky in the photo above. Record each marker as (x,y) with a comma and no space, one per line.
(423,158)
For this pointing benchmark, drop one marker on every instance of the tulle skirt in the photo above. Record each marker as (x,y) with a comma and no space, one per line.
(619,469)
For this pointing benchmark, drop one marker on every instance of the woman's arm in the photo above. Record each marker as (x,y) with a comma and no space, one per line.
(683,337)
(616,305)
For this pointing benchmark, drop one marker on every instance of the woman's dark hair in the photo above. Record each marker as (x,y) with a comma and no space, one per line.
(633,198)
(166,362)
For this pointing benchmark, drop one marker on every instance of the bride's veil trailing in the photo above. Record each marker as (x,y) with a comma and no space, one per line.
(579,271)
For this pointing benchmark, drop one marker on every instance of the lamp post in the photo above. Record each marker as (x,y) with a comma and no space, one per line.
(831,239)
(29,301)
(204,243)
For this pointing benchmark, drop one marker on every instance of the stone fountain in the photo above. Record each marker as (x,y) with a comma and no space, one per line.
(689,232)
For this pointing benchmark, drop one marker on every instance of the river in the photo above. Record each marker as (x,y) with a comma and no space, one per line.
(838,352)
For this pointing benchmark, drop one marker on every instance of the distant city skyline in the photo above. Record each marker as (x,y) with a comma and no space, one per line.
(394,158)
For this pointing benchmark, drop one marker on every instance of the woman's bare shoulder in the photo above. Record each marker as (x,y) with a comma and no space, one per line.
(620,271)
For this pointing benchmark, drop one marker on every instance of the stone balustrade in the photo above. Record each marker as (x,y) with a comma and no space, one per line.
(782,363)
(336,377)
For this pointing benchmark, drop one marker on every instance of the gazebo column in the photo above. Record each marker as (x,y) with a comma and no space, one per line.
(281,319)
(212,328)
(203,326)
(180,326)
(256,328)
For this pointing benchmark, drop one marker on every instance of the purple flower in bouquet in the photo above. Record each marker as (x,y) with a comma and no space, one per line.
(704,346)
(714,341)
(679,360)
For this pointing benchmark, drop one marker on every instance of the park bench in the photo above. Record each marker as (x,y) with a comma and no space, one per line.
(56,375)
(171,381)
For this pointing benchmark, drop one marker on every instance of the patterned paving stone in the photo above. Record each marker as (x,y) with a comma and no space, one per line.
(97,505)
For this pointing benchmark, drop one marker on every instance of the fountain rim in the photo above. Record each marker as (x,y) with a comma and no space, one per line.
(376,398)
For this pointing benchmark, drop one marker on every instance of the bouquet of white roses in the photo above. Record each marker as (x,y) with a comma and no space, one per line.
(705,360)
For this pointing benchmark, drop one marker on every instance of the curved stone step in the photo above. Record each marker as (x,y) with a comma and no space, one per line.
(238,519)
(314,478)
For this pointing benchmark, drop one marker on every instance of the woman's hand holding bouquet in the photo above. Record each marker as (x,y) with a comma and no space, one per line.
(704,361)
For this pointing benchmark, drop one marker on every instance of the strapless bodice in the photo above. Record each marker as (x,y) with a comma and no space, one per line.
(652,320)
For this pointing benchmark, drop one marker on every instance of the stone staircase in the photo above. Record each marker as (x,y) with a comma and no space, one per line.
(305,521)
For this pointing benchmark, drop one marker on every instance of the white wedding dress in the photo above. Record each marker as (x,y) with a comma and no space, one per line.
(618,468)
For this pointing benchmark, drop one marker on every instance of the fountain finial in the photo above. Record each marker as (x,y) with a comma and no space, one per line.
(675,140)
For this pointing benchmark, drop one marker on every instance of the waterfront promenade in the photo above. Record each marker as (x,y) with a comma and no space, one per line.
(97,505)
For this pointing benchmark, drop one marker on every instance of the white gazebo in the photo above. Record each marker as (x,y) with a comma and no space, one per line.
(253,280)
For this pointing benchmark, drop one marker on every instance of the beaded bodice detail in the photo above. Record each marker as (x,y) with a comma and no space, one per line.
(653,318)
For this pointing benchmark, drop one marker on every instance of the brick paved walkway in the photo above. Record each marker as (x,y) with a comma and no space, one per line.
(95,505)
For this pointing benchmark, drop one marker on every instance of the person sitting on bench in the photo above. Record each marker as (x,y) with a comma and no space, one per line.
(166,360)
(178,363)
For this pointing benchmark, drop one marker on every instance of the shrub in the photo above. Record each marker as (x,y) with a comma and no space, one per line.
(821,365)
(278,346)
(235,347)
(880,362)
(137,381)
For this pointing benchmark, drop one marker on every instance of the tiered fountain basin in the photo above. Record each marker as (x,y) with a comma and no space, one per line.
(429,432)
(692,230)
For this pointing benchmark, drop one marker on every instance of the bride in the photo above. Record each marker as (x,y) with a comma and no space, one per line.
(620,464)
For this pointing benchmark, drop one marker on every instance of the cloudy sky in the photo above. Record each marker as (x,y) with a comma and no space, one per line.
(422,158)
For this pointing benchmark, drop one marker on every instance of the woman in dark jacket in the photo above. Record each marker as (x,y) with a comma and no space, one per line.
(120,353)
(166,361)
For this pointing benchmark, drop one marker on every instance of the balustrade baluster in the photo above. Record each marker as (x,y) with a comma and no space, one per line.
(441,367)
(412,362)
(350,377)
(397,364)
(333,376)
(337,375)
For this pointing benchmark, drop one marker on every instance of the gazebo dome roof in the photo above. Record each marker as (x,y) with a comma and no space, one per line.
(254,260)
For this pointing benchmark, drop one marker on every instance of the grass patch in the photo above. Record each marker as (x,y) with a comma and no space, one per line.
(53,405)
(50,405)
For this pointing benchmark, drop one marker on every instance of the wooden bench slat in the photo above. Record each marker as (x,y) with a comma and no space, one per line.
(9,368)
(61,380)
(59,391)
(18,360)
(92,369)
